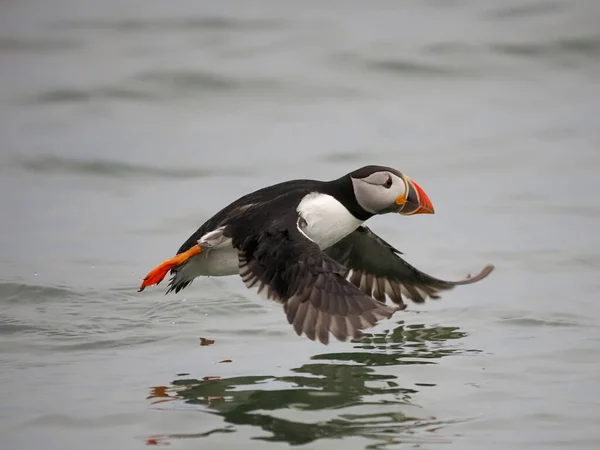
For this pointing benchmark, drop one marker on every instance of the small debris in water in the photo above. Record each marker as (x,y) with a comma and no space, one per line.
(158,440)
(226,361)
(204,341)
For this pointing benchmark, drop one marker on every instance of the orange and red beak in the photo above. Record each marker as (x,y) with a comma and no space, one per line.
(415,201)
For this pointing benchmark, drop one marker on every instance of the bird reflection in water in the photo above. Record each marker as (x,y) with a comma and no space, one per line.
(332,385)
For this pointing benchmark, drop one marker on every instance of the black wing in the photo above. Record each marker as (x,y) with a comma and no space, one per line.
(376,268)
(288,267)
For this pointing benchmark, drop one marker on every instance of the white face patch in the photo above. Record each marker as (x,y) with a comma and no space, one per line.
(378,192)
(325,220)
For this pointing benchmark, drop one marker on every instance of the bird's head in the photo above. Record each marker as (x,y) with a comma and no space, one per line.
(381,190)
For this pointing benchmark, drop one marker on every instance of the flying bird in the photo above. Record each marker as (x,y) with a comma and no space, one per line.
(303,243)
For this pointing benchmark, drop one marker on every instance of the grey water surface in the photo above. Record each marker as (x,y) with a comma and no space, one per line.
(124,124)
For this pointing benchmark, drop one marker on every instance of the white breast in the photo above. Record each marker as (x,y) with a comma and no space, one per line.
(326,219)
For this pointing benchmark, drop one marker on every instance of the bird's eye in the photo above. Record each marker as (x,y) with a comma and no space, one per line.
(388,183)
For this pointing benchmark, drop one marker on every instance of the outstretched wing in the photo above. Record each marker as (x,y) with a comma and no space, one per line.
(377,269)
(288,267)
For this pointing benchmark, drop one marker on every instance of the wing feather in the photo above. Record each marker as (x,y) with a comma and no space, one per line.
(377,269)
(316,297)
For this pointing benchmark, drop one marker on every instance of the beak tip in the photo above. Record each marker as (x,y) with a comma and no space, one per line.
(425,204)
(424,210)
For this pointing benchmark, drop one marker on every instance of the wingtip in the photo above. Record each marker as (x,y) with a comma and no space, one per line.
(489,268)
(470,279)
(389,310)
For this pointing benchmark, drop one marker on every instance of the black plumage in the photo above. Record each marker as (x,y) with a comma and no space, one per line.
(286,266)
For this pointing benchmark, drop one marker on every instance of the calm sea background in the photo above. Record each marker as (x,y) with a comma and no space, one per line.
(124,125)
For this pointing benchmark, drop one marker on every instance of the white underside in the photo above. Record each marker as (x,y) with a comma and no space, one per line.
(219,262)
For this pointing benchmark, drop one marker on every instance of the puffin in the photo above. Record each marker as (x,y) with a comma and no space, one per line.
(303,243)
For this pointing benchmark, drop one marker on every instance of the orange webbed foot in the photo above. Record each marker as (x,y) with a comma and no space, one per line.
(157,274)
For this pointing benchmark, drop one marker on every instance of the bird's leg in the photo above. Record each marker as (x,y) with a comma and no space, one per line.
(210,240)
(156,275)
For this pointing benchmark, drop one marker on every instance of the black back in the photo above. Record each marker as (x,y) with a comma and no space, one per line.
(254,211)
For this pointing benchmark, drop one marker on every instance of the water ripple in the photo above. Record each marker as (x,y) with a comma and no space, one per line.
(170,24)
(588,47)
(18,292)
(114,169)
(218,302)
(160,85)
(401,66)
(99,344)
(32,45)
(520,12)
(200,81)
(415,68)
(562,320)
(81,95)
